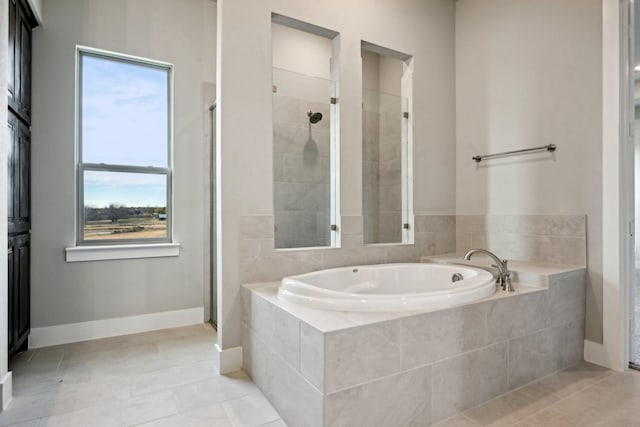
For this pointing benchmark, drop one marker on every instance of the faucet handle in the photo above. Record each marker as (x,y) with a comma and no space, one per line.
(507,286)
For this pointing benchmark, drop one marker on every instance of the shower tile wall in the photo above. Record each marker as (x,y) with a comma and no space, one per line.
(390,175)
(301,167)
(371,172)
(382,186)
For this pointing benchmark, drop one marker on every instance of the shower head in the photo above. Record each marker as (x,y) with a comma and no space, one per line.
(314,117)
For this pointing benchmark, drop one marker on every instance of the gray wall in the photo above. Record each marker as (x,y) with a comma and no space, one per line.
(529,73)
(182,33)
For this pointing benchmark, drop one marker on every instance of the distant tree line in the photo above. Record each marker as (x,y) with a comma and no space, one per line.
(114,212)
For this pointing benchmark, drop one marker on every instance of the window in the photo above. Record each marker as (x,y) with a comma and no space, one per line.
(124,149)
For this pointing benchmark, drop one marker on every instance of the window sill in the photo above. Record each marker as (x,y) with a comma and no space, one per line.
(109,252)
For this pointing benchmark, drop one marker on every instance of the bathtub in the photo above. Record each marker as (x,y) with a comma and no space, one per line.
(387,287)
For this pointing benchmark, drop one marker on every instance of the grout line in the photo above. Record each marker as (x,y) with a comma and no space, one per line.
(373,380)
(282,359)
(470,419)
(458,415)
(299,325)
(431,398)
(508,363)
(562,399)
(534,383)
(58,373)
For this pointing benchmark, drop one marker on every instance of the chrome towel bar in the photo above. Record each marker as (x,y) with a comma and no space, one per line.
(549,147)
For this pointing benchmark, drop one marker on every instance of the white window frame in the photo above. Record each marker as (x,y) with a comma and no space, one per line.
(102,167)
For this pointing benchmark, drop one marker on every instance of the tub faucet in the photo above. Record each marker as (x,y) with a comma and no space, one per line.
(504,275)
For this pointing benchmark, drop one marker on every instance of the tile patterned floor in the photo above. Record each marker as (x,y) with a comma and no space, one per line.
(161,378)
(585,395)
(167,378)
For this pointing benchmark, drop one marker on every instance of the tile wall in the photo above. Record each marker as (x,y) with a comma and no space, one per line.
(390,175)
(261,261)
(549,239)
(382,168)
(371,173)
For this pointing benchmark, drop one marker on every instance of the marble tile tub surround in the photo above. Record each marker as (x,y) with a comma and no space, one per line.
(550,239)
(261,262)
(412,368)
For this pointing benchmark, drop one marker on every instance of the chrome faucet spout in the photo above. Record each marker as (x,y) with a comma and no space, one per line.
(504,275)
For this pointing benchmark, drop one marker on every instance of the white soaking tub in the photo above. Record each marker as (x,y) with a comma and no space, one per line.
(388,287)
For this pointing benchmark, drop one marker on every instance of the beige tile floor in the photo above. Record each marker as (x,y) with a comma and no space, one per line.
(585,395)
(161,378)
(167,378)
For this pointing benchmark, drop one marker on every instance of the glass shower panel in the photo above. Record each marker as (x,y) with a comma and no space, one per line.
(302,154)
(385,166)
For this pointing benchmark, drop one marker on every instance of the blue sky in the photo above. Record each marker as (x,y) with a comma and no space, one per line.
(124,121)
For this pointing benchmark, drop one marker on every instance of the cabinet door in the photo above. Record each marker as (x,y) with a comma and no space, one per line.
(18,176)
(11,280)
(11,54)
(13,128)
(22,289)
(23,64)
(22,179)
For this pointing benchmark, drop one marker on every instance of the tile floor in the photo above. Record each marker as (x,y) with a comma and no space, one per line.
(585,395)
(161,378)
(167,378)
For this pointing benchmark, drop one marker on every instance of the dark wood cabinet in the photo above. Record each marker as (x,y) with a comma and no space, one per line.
(23,48)
(21,23)
(11,343)
(19,176)
(13,134)
(11,53)
(19,291)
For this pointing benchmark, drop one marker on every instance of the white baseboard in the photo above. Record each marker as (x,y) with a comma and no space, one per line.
(74,332)
(228,360)
(6,384)
(597,353)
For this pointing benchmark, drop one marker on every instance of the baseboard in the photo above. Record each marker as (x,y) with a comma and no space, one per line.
(74,332)
(6,384)
(597,353)
(228,360)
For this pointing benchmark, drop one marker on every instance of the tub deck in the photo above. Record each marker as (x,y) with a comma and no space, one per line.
(336,368)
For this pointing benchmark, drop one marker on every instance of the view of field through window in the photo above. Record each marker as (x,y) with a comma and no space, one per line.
(124,145)
(124,205)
